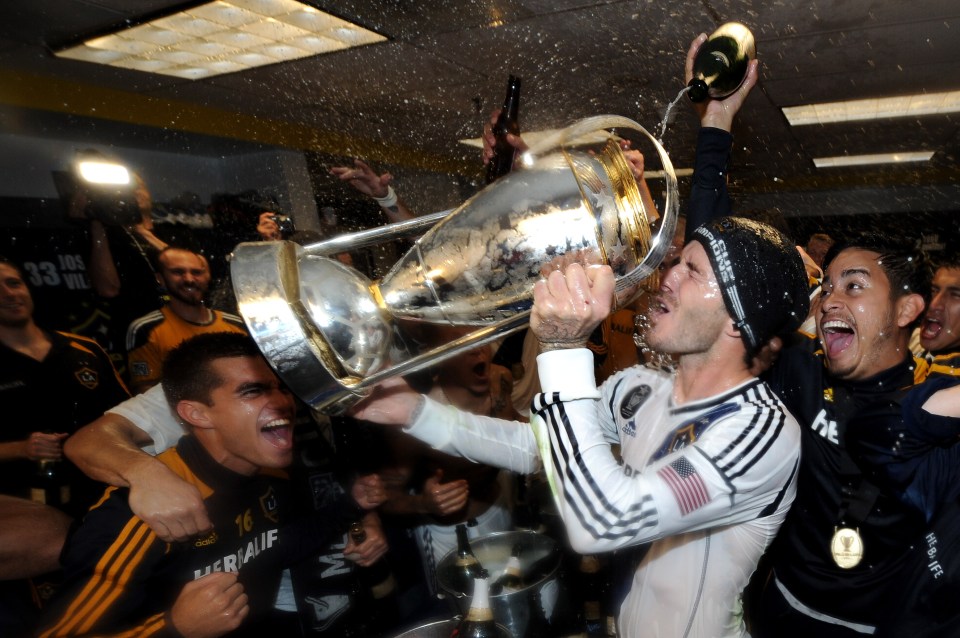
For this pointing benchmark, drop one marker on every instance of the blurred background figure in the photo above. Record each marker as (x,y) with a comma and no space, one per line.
(51,383)
(817,247)
(185,277)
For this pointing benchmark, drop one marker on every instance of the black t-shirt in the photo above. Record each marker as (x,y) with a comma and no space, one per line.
(829,483)
(73,385)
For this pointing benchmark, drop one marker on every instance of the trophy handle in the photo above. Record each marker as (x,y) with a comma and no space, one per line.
(660,244)
(373,236)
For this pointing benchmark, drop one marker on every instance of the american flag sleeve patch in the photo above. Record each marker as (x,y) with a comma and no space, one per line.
(687,486)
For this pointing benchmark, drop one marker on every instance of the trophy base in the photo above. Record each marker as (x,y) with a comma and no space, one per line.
(320,345)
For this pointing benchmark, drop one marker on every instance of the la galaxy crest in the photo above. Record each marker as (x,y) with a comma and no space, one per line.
(270,506)
(87,378)
(630,404)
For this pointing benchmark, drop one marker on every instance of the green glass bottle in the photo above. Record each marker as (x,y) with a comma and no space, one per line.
(721,63)
(48,485)
(466,566)
(502,161)
(511,579)
(479,622)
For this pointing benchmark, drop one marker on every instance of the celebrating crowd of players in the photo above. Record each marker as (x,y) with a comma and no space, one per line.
(765,480)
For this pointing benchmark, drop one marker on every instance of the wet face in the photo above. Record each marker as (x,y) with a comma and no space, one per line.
(249,424)
(16,304)
(858,322)
(184,275)
(688,316)
(940,330)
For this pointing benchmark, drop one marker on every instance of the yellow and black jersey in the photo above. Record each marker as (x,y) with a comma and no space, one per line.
(120,579)
(945,364)
(152,336)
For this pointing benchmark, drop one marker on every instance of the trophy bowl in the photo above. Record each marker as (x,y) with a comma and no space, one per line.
(331,333)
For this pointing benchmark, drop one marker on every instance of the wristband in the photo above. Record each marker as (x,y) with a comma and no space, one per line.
(562,344)
(389,200)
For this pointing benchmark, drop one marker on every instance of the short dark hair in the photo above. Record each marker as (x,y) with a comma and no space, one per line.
(187,371)
(906,266)
(6,261)
(947,259)
(820,237)
(158,264)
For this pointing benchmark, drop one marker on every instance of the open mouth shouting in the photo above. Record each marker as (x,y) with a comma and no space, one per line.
(481,371)
(931,328)
(838,335)
(278,433)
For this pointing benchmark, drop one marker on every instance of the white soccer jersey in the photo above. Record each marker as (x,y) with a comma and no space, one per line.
(709,482)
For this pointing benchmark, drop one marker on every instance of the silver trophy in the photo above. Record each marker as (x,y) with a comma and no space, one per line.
(331,333)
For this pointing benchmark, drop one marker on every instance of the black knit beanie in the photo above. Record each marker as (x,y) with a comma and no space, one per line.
(761,277)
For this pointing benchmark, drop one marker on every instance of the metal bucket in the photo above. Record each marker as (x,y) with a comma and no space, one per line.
(438,629)
(523,612)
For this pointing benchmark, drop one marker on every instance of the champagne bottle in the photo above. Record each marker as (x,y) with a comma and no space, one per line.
(721,63)
(538,626)
(478,622)
(511,579)
(48,485)
(466,566)
(608,603)
(380,585)
(526,510)
(590,581)
(508,122)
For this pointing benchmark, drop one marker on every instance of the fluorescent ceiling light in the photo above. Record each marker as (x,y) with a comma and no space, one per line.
(874,109)
(879,158)
(223,36)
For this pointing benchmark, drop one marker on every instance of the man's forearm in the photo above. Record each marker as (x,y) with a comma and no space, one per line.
(709,197)
(103,272)
(508,445)
(13,450)
(108,450)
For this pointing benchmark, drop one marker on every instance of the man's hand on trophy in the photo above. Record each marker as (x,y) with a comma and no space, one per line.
(719,113)
(392,402)
(489,140)
(584,257)
(569,305)
(635,162)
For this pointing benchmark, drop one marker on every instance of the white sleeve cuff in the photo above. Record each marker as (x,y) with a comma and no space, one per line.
(432,425)
(569,372)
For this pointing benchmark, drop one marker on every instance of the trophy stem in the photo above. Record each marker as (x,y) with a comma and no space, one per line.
(479,337)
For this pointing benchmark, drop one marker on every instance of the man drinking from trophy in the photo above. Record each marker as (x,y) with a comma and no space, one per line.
(709,454)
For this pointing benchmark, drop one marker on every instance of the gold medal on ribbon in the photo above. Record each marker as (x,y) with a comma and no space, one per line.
(846,547)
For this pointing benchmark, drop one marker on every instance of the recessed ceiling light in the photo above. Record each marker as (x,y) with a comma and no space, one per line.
(878,158)
(222,37)
(874,109)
